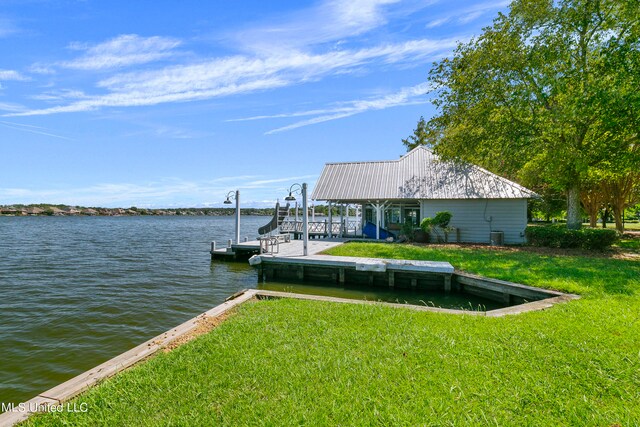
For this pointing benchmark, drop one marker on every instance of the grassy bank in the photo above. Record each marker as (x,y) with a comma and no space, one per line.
(582,274)
(297,362)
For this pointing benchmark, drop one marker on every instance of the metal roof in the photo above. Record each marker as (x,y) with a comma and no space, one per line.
(419,174)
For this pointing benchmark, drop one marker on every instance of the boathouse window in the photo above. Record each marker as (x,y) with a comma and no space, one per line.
(412,215)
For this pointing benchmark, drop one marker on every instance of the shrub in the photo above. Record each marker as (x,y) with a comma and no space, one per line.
(559,236)
(408,231)
(440,220)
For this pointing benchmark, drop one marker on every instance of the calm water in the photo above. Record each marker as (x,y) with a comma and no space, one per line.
(76,291)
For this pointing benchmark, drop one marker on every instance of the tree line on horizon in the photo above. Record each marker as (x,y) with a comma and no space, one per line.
(41,209)
(44,209)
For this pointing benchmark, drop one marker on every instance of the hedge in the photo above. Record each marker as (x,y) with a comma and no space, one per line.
(559,236)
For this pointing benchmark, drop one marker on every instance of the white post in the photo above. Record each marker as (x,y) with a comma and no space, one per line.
(342,220)
(305,219)
(330,223)
(237,217)
(296,213)
(313,212)
(347,220)
(378,209)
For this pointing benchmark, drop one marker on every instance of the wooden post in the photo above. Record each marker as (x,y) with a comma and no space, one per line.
(213,246)
(414,283)
(371,278)
(392,279)
(447,283)
(341,275)
(506,298)
(300,272)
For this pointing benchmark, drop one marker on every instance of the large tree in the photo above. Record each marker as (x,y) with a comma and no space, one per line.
(419,137)
(548,90)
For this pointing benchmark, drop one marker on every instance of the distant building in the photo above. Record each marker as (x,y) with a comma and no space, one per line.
(419,184)
(34,210)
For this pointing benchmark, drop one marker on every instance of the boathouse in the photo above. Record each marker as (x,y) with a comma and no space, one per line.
(419,184)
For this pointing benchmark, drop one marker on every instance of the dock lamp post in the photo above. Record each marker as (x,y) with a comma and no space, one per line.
(235,195)
(302,190)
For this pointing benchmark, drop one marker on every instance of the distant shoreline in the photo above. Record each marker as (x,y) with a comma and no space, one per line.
(65,210)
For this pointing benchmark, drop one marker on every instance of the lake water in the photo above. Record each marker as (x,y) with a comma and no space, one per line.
(76,291)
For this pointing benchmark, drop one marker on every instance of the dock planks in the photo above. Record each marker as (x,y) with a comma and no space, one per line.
(284,249)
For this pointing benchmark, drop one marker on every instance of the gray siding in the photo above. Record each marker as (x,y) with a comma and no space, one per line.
(508,215)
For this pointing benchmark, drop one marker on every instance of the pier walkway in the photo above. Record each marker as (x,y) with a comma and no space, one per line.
(289,248)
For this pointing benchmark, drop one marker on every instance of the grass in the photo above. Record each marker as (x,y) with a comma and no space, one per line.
(580,274)
(629,244)
(628,226)
(287,362)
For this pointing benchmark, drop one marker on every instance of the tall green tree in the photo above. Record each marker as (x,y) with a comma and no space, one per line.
(548,90)
(419,137)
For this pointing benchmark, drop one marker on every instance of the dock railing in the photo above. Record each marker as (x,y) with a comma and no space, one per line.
(321,228)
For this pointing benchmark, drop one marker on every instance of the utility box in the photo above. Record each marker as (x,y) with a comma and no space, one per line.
(497,238)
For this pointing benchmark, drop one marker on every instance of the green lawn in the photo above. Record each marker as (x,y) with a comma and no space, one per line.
(287,362)
(597,276)
(628,226)
(630,245)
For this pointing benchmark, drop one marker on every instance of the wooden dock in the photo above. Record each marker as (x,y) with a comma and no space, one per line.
(412,274)
(392,273)
(292,248)
(287,263)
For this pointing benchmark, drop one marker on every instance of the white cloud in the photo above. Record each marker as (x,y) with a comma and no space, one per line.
(38,68)
(6,75)
(60,95)
(166,131)
(406,96)
(468,14)
(11,107)
(328,21)
(7,27)
(162,193)
(32,129)
(241,74)
(122,51)
(264,183)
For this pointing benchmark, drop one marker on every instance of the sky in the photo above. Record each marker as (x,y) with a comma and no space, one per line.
(174,104)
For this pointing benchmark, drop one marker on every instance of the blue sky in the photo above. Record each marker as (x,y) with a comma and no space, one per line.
(162,104)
